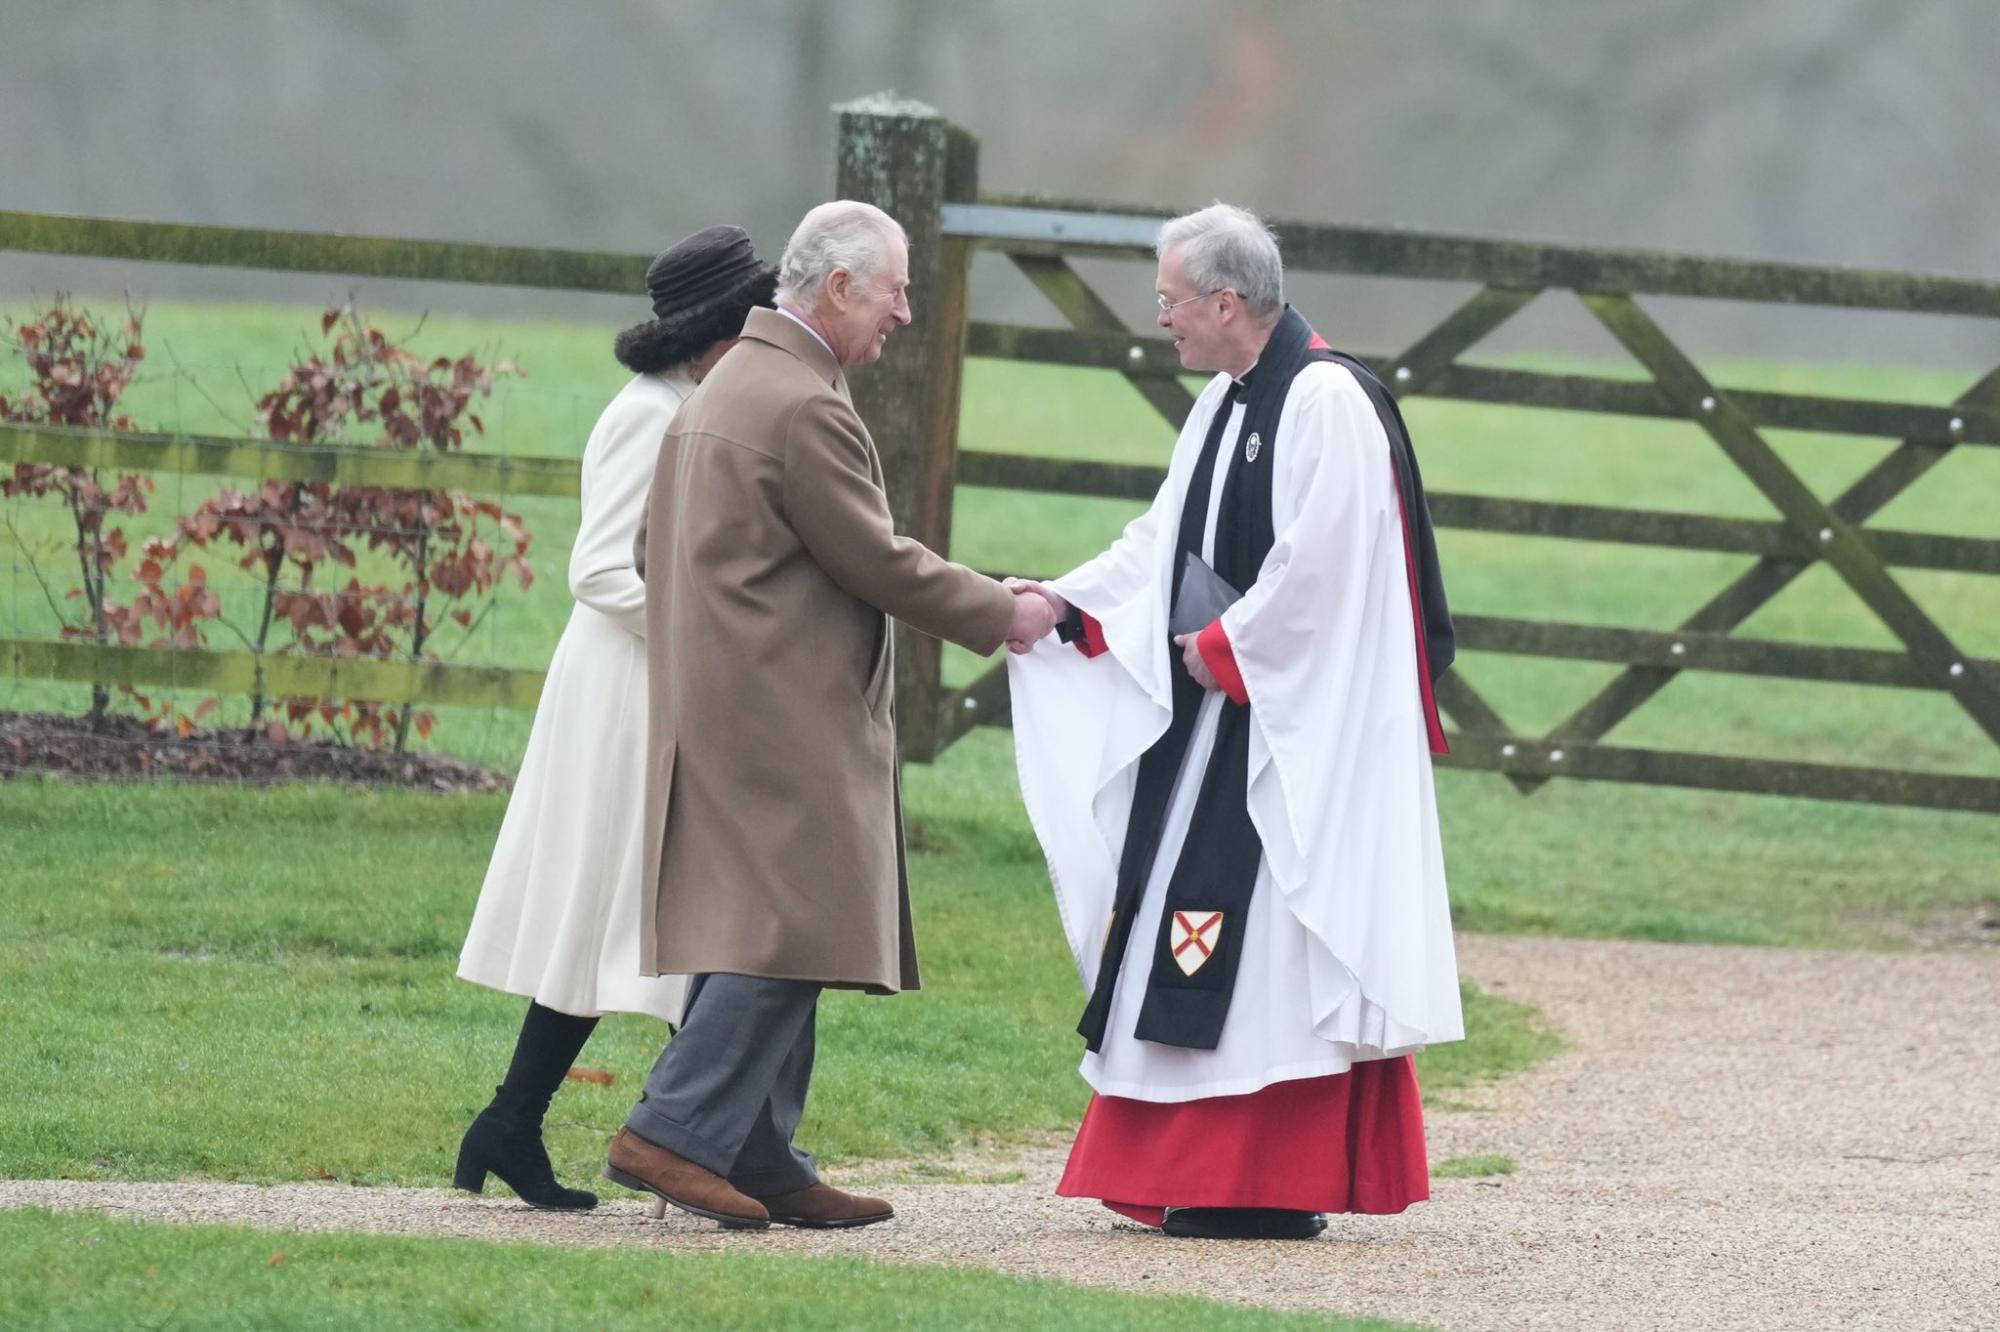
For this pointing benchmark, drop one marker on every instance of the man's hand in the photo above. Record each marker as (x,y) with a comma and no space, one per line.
(1191,658)
(1042,590)
(1033,618)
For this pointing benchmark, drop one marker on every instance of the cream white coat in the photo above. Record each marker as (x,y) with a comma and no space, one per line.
(1348,953)
(560,913)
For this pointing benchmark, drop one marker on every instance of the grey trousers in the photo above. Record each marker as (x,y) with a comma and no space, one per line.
(730,1088)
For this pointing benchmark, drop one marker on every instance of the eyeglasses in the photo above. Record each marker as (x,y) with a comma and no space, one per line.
(1167,307)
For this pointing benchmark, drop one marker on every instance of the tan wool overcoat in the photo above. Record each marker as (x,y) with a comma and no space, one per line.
(774,834)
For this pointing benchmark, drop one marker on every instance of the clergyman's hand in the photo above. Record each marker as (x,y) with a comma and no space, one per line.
(1042,590)
(1033,619)
(1192,659)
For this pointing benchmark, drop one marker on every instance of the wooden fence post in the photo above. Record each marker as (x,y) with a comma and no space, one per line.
(909,161)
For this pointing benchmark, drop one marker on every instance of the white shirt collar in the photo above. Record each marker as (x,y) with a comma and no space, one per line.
(810,329)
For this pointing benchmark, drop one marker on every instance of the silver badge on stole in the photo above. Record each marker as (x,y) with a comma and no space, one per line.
(1251,447)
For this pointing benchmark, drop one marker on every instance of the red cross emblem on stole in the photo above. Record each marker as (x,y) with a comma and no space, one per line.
(1194,937)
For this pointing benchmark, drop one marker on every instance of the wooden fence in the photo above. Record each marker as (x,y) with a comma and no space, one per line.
(925,171)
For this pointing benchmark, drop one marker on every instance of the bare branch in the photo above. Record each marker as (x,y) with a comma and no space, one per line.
(183,372)
(21,544)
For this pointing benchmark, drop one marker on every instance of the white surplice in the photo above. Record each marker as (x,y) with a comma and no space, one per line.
(1347,952)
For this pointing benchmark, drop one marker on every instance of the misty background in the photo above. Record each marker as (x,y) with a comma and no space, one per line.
(1857,132)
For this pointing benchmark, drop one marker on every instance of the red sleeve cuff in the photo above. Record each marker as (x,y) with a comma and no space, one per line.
(1220,658)
(1092,643)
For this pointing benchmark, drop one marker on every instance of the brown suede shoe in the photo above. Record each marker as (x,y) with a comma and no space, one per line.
(823,1207)
(638,1164)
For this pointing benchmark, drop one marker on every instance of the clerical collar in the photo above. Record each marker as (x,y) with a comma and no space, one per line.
(1247,380)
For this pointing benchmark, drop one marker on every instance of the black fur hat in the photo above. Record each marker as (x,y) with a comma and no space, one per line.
(702,289)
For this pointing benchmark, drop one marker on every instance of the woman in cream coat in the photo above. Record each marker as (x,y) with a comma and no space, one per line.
(558,919)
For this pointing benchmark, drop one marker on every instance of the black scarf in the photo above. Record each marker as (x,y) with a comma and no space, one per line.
(1208,897)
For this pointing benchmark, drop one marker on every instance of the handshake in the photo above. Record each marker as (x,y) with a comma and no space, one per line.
(1037,610)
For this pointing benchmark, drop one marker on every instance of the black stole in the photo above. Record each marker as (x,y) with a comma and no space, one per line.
(1217,870)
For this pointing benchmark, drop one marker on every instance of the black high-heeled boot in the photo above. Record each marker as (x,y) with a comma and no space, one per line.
(506,1138)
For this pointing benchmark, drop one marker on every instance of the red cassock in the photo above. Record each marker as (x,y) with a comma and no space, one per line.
(1351,1142)
(1348,1142)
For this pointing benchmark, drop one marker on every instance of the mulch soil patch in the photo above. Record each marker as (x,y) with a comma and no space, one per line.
(122,749)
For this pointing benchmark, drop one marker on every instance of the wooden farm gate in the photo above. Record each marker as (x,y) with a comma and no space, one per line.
(924,170)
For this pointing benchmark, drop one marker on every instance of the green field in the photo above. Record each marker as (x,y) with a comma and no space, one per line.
(203,357)
(257,984)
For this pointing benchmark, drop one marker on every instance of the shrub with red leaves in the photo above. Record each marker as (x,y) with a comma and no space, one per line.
(78,367)
(365,389)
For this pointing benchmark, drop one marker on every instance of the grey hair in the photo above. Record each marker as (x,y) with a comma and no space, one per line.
(843,234)
(1226,246)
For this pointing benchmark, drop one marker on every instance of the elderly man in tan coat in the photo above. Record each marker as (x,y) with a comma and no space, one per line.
(775,843)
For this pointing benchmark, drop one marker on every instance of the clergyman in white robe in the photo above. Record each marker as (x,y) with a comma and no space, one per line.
(1307,1100)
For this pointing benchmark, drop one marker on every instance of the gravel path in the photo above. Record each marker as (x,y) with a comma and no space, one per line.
(1734,1138)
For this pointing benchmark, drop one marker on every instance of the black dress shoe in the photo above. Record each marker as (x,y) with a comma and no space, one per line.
(1242,1223)
(506,1140)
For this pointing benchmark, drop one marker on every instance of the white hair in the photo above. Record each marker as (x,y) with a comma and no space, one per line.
(843,234)
(1226,246)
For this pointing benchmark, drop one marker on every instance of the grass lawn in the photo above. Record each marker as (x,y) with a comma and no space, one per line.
(266,975)
(75,1272)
